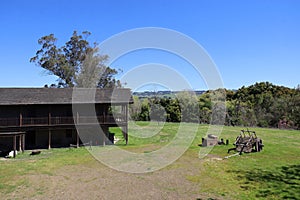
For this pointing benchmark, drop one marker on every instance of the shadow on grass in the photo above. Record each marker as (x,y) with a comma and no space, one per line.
(283,182)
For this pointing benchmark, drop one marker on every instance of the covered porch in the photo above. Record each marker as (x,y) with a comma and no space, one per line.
(17,138)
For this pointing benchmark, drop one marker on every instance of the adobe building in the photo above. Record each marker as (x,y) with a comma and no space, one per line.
(33,118)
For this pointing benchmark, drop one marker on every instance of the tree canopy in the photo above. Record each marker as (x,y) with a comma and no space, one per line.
(261,104)
(76,63)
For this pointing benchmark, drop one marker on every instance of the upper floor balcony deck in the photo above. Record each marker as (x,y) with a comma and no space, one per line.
(117,119)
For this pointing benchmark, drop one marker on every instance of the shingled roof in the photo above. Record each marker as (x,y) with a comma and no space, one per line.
(27,96)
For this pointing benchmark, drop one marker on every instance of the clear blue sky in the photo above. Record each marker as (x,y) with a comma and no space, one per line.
(250,41)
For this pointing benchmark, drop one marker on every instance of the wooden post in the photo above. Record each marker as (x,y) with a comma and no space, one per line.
(104,135)
(20,142)
(126,123)
(21,119)
(104,117)
(49,116)
(77,139)
(77,117)
(23,142)
(126,112)
(49,139)
(123,110)
(126,134)
(15,145)
(104,138)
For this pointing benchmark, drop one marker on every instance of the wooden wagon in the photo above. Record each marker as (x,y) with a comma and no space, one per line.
(247,142)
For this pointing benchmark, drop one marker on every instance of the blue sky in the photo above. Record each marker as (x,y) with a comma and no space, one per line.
(249,41)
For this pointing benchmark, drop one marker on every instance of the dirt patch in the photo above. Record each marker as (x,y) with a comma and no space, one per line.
(212,157)
(97,181)
(80,182)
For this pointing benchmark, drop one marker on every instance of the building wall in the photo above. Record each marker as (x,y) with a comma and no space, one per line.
(93,135)
(9,111)
(62,135)
(41,139)
(6,143)
(62,138)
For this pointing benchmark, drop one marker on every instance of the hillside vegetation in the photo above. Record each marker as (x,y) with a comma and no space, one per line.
(262,104)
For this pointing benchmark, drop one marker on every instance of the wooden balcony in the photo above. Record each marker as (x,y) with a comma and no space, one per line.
(57,121)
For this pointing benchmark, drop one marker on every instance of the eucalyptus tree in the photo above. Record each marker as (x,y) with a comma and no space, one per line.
(76,63)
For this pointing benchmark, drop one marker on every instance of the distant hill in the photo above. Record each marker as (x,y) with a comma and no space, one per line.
(167,93)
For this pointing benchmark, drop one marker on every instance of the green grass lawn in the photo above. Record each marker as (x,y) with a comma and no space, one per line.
(273,173)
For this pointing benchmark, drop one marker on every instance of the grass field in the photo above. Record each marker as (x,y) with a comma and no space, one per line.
(70,173)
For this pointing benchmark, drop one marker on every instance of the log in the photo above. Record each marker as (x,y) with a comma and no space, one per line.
(35,152)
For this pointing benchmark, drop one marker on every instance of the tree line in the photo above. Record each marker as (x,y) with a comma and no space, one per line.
(262,104)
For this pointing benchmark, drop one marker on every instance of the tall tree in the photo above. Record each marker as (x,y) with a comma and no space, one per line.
(189,106)
(135,108)
(76,63)
(157,112)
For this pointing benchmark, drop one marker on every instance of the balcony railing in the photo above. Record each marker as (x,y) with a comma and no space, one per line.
(52,121)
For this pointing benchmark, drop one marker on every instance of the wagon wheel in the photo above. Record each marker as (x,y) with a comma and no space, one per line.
(260,144)
(257,146)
